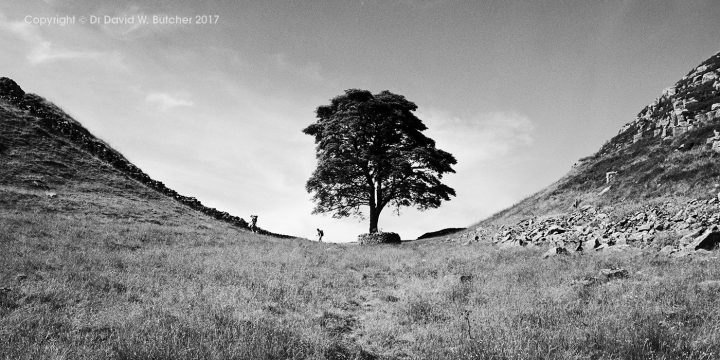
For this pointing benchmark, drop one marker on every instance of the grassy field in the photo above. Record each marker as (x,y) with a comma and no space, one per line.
(77,288)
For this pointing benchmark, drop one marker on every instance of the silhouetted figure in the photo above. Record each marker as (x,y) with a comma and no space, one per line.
(253,223)
(320,235)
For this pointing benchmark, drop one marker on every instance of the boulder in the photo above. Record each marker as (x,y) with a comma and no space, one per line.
(716,146)
(709,77)
(555,229)
(591,244)
(379,238)
(614,273)
(621,240)
(602,247)
(554,251)
(709,240)
(689,237)
(514,243)
(667,250)
(646,226)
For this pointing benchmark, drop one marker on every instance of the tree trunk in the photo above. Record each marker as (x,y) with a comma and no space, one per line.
(374,216)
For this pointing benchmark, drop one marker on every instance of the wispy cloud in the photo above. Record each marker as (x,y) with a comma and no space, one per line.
(164,101)
(307,71)
(483,137)
(43,50)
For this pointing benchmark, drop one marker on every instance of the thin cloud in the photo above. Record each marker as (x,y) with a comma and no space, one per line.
(165,101)
(309,72)
(45,51)
(479,138)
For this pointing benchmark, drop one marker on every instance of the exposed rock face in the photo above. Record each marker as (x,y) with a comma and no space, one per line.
(692,102)
(379,238)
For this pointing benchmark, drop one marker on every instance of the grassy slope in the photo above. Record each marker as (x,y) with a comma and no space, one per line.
(650,170)
(109,269)
(190,293)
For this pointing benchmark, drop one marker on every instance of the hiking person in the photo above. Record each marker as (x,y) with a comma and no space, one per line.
(253,223)
(320,235)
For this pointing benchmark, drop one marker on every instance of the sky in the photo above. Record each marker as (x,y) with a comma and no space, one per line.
(517,91)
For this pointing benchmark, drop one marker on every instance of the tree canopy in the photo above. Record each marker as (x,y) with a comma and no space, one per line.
(371,151)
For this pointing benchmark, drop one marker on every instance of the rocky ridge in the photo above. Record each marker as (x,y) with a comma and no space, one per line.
(694,101)
(56,122)
(661,165)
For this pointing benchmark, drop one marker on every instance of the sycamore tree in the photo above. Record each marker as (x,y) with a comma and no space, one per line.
(371,152)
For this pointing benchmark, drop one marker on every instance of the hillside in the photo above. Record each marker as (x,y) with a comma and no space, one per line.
(46,154)
(658,178)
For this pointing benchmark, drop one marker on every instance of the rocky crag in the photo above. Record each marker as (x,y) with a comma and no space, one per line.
(654,185)
(57,123)
(692,102)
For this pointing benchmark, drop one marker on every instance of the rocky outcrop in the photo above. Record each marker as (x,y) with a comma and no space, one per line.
(379,238)
(56,122)
(692,102)
(10,90)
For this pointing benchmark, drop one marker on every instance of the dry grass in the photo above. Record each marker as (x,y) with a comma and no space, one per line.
(128,291)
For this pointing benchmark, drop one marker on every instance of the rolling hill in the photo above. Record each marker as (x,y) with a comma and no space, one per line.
(49,158)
